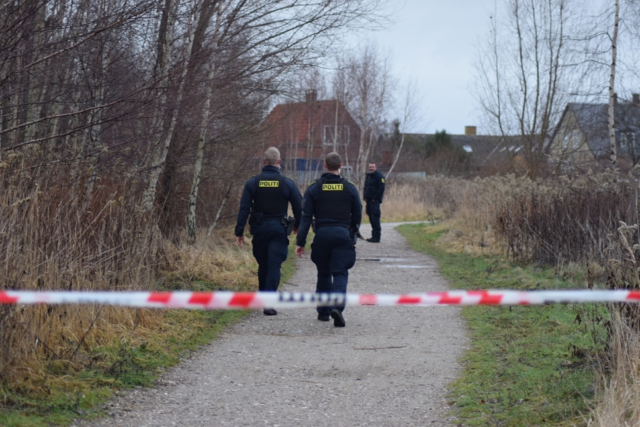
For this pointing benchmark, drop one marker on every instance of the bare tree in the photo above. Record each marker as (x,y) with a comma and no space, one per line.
(410,112)
(264,41)
(368,84)
(521,74)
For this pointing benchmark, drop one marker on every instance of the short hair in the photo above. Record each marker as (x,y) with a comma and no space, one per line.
(271,156)
(333,161)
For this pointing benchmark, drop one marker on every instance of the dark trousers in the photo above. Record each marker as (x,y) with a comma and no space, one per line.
(270,248)
(333,253)
(373,211)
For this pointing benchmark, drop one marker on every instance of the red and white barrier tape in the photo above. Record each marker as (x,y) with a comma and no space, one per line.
(241,300)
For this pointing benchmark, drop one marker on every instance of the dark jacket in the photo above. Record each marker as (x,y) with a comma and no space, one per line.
(374,186)
(291,192)
(308,208)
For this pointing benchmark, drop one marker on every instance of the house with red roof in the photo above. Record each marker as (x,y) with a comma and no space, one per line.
(305,132)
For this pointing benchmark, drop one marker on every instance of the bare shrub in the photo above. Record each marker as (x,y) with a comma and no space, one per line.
(568,219)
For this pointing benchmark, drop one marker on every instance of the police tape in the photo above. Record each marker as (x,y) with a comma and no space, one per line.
(244,300)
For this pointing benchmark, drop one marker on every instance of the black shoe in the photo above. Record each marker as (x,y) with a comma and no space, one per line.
(323,317)
(269,312)
(338,320)
(360,236)
(372,240)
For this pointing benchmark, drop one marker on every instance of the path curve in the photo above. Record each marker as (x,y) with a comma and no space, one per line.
(389,367)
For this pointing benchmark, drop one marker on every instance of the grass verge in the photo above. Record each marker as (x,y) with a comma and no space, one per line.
(161,340)
(525,365)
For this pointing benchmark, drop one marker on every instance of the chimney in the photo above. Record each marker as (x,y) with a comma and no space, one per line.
(469,130)
(635,98)
(311,95)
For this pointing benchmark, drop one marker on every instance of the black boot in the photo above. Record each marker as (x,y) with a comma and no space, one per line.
(338,320)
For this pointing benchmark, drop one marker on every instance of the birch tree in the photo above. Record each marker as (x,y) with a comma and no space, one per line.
(612,93)
(369,83)
(160,151)
(206,114)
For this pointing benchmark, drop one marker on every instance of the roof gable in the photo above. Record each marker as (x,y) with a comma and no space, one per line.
(593,122)
(298,119)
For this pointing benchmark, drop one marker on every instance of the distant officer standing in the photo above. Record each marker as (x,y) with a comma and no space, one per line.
(266,197)
(373,192)
(335,204)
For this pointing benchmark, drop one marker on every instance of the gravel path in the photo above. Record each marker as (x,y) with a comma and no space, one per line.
(389,367)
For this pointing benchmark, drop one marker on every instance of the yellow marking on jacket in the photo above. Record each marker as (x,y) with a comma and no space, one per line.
(269,184)
(332,187)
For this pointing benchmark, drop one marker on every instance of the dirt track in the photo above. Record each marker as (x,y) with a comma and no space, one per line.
(388,367)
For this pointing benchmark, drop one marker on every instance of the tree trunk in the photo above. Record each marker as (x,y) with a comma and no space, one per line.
(612,94)
(393,165)
(224,202)
(161,153)
(197,168)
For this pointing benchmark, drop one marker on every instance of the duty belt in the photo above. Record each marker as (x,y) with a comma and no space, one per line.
(319,226)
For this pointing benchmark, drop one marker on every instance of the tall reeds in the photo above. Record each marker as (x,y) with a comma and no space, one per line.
(51,238)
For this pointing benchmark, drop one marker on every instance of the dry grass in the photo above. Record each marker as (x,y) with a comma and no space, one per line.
(406,202)
(557,220)
(215,260)
(470,205)
(46,346)
(618,400)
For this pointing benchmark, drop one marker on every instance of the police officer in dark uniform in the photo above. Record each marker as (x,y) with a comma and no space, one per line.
(373,192)
(266,197)
(335,204)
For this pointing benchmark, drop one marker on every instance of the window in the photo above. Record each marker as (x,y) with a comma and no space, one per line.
(342,138)
(346,172)
(571,140)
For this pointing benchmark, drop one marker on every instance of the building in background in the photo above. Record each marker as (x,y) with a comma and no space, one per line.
(580,140)
(305,131)
(467,154)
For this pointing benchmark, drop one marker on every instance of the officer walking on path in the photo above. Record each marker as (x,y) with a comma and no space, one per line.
(266,197)
(335,204)
(373,192)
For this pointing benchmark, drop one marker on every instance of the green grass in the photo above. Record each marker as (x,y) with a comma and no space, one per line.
(526,365)
(120,366)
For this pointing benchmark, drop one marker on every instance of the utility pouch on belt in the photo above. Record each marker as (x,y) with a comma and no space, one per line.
(288,223)
(257,218)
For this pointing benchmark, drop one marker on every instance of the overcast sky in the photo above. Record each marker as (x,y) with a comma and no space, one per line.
(434,42)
